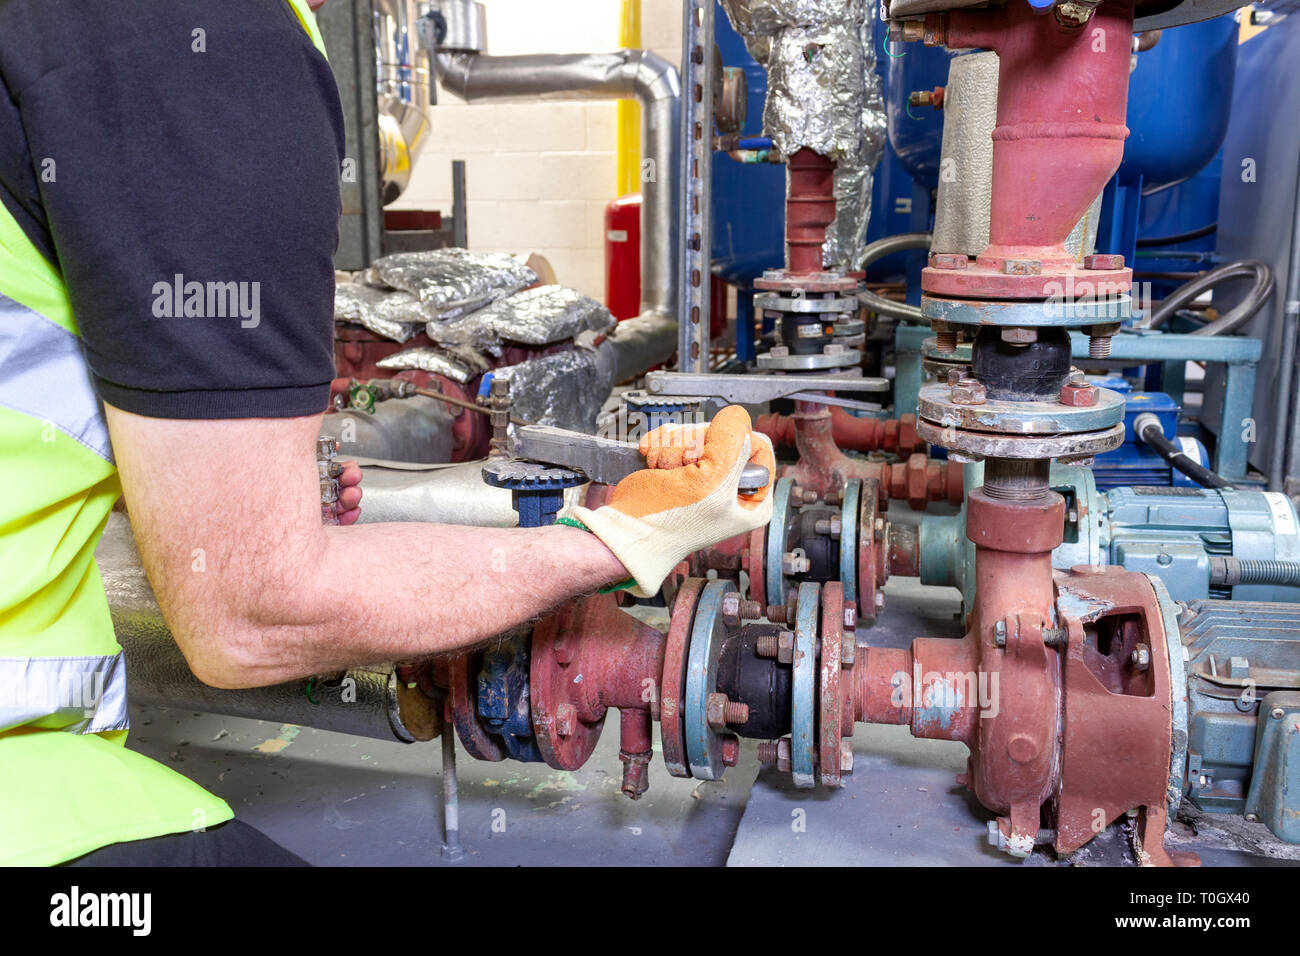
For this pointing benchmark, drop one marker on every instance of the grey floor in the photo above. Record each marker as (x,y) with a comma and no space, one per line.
(340,800)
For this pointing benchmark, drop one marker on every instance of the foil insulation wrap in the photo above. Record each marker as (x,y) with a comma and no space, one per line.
(540,316)
(389,314)
(823,94)
(451,282)
(564,389)
(431,360)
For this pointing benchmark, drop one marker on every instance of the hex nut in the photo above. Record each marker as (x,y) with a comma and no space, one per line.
(785,647)
(715,707)
(1103,261)
(1141,657)
(1079,396)
(1018,335)
(968,391)
(566,716)
(949,260)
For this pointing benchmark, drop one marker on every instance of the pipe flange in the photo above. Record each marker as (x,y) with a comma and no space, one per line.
(868,579)
(830,700)
(934,405)
(462,679)
(775,302)
(1017,279)
(704,744)
(976,446)
(816,283)
(803,703)
(774,580)
(834,357)
(1178,710)
(565,740)
(849,532)
(755,565)
(1057,311)
(672,726)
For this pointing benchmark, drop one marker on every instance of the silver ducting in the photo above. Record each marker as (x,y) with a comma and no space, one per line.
(823,94)
(365,701)
(444,494)
(650,338)
(404,86)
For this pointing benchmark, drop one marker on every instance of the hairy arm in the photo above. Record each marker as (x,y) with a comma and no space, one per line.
(256,590)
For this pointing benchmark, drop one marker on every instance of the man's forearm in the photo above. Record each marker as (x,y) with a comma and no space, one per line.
(386,592)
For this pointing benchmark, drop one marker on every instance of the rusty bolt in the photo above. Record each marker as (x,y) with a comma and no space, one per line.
(566,715)
(1056,636)
(1100,261)
(715,709)
(828,526)
(1076,377)
(846,757)
(949,260)
(751,610)
(967,391)
(766,646)
(1000,634)
(954,376)
(778,613)
(1022,267)
(1015,335)
(792,564)
(785,647)
(730,751)
(1141,657)
(731,609)
(775,752)
(848,648)
(1079,396)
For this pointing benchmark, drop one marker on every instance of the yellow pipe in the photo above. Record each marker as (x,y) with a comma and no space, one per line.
(629,111)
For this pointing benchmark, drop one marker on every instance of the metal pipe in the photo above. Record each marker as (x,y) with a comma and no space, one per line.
(1277,467)
(622,74)
(878,250)
(451,848)
(443,494)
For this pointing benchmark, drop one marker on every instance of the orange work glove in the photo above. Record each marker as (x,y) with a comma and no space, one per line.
(686,500)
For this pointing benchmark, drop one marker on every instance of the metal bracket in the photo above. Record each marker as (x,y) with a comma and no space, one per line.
(696,161)
(758,389)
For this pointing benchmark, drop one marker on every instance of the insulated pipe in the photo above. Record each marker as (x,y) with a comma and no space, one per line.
(650,338)
(376,704)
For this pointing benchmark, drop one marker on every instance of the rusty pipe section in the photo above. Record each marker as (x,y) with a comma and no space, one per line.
(1062,103)
(850,433)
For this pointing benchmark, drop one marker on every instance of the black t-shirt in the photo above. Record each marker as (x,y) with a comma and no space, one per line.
(178,161)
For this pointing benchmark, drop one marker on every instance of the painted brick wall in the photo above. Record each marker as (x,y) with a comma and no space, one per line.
(538,175)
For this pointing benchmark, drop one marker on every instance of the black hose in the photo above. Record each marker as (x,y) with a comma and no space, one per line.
(1147,427)
(1233,571)
(1232,320)
(1158,241)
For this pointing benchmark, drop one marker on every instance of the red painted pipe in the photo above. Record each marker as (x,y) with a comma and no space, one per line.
(1062,99)
(850,432)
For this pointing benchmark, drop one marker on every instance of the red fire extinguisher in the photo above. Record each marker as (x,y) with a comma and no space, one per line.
(623,256)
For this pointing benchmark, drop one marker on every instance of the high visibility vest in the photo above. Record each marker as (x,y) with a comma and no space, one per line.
(67,784)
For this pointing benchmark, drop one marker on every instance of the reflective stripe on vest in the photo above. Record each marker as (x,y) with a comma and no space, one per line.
(89,692)
(43,374)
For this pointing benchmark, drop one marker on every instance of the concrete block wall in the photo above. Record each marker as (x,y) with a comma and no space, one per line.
(538,175)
